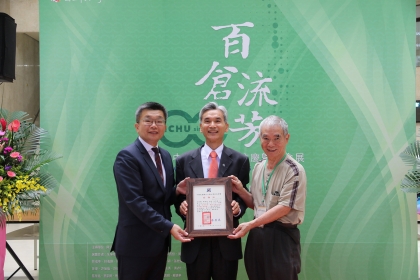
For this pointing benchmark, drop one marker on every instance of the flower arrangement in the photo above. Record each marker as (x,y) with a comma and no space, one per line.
(23,180)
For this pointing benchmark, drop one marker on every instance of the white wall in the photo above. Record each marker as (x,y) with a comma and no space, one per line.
(23,93)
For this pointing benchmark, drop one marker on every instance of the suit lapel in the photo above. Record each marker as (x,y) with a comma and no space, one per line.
(149,162)
(196,165)
(167,163)
(225,162)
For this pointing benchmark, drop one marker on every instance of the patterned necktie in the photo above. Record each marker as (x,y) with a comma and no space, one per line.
(158,162)
(213,168)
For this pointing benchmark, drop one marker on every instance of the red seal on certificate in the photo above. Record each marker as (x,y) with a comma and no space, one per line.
(206,217)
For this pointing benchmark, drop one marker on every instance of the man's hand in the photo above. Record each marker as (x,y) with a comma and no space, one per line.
(181,188)
(236,184)
(180,234)
(240,231)
(183,208)
(243,193)
(235,208)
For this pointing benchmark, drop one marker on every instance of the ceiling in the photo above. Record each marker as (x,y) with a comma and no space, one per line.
(34,32)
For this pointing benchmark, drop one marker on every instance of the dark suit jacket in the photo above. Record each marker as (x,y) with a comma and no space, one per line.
(231,163)
(144,218)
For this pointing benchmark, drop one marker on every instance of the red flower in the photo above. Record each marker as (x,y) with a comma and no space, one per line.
(3,124)
(14,154)
(11,174)
(14,126)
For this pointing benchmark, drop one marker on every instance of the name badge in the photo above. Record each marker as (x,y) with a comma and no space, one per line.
(260,210)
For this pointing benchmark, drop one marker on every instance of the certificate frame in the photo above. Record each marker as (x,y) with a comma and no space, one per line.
(222,216)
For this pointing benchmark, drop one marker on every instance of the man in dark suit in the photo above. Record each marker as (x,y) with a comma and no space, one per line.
(145,184)
(212,257)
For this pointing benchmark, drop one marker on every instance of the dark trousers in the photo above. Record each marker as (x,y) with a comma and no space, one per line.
(211,264)
(273,253)
(146,268)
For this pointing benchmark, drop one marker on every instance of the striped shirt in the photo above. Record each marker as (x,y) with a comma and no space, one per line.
(287,187)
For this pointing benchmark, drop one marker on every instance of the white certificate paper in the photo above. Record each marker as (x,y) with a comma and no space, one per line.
(209,207)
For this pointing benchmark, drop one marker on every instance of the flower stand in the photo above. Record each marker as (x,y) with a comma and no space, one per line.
(2,246)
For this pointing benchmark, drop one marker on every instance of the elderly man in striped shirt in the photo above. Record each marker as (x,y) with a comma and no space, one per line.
(278,194)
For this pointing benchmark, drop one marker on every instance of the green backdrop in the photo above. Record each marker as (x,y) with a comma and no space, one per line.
(341,73)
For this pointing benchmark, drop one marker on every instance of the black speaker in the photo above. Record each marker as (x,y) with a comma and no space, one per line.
(7,48)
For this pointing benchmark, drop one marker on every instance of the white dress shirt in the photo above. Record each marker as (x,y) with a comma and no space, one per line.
(206,159)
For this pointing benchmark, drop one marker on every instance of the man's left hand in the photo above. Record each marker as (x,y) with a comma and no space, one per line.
(181,188)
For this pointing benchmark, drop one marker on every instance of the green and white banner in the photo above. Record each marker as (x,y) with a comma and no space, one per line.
(342,74)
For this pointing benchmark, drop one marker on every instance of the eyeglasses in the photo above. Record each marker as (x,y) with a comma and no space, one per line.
(158,122)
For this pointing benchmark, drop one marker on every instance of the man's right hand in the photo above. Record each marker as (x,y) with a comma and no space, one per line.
(180,234)
(240,231)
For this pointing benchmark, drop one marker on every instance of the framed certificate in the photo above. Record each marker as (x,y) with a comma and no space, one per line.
(209,209)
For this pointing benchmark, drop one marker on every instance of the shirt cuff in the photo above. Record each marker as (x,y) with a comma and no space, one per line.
(238,213)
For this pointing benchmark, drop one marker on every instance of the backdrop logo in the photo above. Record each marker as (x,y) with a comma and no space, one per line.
(181,129)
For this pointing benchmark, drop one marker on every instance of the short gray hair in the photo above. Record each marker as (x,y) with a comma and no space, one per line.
(150,106)
(213,106)
(275,121)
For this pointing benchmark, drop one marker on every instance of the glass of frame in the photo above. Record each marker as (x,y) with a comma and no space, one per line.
(209,209)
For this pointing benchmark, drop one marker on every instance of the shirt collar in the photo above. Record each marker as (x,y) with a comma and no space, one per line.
(147,146)
(206,150)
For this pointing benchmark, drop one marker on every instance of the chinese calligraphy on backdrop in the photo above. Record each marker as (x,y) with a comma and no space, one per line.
(238,43)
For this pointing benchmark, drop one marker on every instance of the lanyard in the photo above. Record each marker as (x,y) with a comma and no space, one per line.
(265,186)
